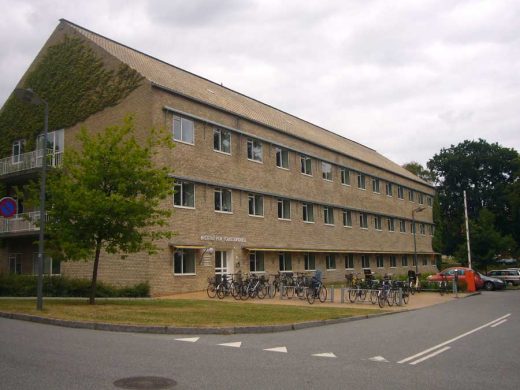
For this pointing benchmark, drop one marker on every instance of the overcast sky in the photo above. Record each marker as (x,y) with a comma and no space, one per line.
(403,77)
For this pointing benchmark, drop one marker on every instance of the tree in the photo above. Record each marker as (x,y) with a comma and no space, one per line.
(107,197)
(418,170)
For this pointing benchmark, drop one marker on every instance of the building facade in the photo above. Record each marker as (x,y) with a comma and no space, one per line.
(257,189)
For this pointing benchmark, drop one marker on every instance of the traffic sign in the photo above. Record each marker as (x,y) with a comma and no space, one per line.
(8,207)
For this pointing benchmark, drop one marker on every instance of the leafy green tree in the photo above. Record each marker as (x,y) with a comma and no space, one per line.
(418,170)
(107,197)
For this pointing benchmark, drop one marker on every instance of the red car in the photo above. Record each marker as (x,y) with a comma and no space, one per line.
(449,274)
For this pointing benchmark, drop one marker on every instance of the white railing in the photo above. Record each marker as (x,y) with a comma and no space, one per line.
(28,161)
(25,222)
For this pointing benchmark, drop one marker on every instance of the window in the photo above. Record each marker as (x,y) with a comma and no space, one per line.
(363,221)
(254,150)
(402,226)
(431,230)
(184,195)
(400,192)
(308,212)
(330,260)
(421,198)
(284,209)
(223,200)
(15,263)
(256,205)
(326,171)
(222,140)
(365,261)
(377,222)
(393,261)
(184,262)
(414,261)
(422,229)
(412,228)
(380,262)
(183,130)
(345,176)
(17,151)
(50,266)
(347,218)
(429,200)
(424,260)
(404,261)
(309,261)
(306,165)
(410,195)
(389,189)
(349,261)
(361,181)
(328,215)
(256,262)
(284,260)
(375,185)
(391,224)
(282,158)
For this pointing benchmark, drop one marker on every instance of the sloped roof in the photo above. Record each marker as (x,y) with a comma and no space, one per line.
(196,87)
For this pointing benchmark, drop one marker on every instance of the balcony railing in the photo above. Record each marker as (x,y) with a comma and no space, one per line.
(26,161)
(25,222)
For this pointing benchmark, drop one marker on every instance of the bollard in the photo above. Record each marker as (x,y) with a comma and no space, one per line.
(455,288)
(281,291)
(332,294)
(342,295)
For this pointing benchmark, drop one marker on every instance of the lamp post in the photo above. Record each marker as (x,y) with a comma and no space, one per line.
(417,210)
(30,97)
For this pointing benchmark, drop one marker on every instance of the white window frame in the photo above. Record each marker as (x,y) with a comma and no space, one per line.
(179,190)
(252,145)
(361,182)
(349,261)
(363,221)
(345,176)
(404,261)
(330,262)
(223,191)
(393,261)
(181,121)
(326,171)
(375,185)
(421,198)
(279,154)
(17,151)
(182,254)
(308,217)
(328,215)
(378,223)
(402,226)
(365,261)
(281,202)
(347,218)
(389,189)
(380,261)
(391,224)
(309,258)
(257,258)
(305,165)
(400,192)
(220,134)
(257,203)
(411,196)
(285,260)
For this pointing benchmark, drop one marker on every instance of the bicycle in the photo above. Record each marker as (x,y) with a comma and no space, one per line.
(358,292)
(211,290)
(316,289)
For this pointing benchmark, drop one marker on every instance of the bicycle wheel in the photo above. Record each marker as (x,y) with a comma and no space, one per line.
(362,295)
(412,288)
(262,291)
(221,291)
(271,290)
(406,297)
(373,296)
(390,297)
(352,293)
(311,295)
(300,291)
(244,293)
(322,294)
(289,291)
(381,298)
(211,291)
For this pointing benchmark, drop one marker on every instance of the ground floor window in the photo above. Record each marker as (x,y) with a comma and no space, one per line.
(331,261)
(256,262)
(349,261)
(50,266)
(15,263)
(284,260)
(424,260)
(393,261)
(365,261)
(404,261)
(380,261)
(184,262)
(310,262)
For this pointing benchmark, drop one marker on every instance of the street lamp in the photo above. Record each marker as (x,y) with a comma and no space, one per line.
(30,97)
(417,210)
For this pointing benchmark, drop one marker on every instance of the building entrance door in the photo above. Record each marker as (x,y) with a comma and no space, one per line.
(223,263)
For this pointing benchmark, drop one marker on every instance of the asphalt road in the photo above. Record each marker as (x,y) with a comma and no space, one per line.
(471,343)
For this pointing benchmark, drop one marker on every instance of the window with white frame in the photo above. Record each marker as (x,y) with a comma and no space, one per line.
(330,261)
(422,229)
(429,201)
(431,230)
(256,262)
(414,260)
(328,215)
(183,129)
(400,192)
(361,181)
(223,200)
(412,228)
(404,260)
(256,205)
(17,151)
(424,260)
(184,262)
(380,262)
(309,262)
(393,261)
(347,218)
(349,261)
(15,263)
(50,266)
(421,198)
(365,261)
(389,189)
(326,171)
(222,140)
(184,195)
(375,185)
(391,224)
(377,222)
(363,221)
(411,195)
(306,165)
(282,157)
(402,226)
(254,150)
(345,176)
(308,212)
(284,261)
(284,209)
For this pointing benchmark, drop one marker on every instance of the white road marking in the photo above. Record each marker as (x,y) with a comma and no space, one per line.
(452,340)
(378,359)
(498,323)
(189,339)
(430,355)
(277,349)
(325,354)
(234,345)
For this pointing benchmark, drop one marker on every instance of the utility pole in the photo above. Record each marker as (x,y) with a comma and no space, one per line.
(467,228)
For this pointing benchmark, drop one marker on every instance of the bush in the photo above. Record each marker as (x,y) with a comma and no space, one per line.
(60,286)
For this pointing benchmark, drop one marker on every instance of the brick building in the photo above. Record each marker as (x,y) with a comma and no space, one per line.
(258,190)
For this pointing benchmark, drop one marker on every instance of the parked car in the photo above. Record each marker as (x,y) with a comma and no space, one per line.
(449,274)
(492,283)
(511,276)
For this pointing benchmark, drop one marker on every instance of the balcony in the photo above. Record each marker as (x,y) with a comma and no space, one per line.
(20,223)
(27,161)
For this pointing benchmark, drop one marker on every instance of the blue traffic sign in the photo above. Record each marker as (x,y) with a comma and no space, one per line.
(8,207)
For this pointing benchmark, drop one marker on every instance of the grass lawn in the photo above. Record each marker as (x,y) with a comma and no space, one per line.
(177,312)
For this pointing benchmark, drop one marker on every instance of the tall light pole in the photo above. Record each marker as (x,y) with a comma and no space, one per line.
(417,210)
(30,97)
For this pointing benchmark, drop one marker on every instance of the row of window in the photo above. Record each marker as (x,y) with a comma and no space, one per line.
(185,197)
(184,261)
(183,130)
